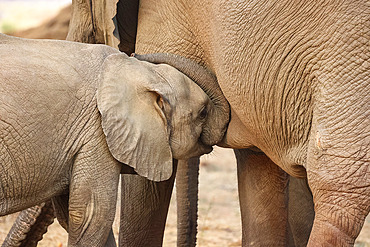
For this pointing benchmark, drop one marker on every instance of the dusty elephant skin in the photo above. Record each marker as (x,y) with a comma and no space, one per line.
(91,23)
(86,109)
(24,231)
(296,76)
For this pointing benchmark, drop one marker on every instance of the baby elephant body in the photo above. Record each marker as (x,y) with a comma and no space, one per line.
(72,113)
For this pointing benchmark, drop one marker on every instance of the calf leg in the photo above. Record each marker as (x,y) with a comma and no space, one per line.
(30,226)
(92,201)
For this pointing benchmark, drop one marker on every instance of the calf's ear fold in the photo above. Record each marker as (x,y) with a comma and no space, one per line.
(133,122)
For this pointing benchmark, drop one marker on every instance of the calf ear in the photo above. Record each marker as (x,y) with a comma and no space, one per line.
(133,122)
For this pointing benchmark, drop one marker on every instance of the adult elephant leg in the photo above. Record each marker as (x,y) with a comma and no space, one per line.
(30,226)
(338,158)
(263,199)
(339,176)
(341,196)
(187,180)
(144,208)
(300,211)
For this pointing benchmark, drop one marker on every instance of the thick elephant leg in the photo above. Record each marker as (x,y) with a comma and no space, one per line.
(338,159)
(263,200)
(92,197)
(144,208)
(340,184)
(61,205)
(187,180)
(30,226)
(300,211)
(342,202)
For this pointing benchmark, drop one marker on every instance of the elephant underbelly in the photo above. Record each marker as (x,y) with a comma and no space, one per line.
(245,132)
(293,161)
(23,186)
(28,197)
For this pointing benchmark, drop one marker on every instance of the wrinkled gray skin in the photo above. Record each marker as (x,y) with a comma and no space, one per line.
(91,23)
(25,231)
(71,114)
(296,75)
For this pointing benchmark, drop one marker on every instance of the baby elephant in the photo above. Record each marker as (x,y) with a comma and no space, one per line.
(72,113)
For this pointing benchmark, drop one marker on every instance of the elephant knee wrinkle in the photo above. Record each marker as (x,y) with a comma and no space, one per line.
(80,217)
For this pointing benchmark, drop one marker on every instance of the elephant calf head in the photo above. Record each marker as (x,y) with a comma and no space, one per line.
(151,114)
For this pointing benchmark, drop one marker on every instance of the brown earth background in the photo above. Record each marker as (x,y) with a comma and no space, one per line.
(219,216)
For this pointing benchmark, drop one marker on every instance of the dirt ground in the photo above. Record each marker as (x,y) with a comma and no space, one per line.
(219,216)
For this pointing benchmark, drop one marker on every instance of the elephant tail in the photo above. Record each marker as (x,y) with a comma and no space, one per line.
(30,226)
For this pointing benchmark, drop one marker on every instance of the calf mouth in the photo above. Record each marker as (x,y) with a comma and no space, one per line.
(203,148)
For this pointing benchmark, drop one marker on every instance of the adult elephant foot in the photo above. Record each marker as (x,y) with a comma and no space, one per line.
(263,200)
(30,226)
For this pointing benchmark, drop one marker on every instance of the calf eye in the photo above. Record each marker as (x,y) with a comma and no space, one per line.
(203,113)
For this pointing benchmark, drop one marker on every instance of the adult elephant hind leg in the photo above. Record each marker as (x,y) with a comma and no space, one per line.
(338,158)
(263,200)
(144,208)
(342,200)
(340,183)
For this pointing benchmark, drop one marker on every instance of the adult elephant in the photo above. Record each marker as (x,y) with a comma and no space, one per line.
(296,75)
